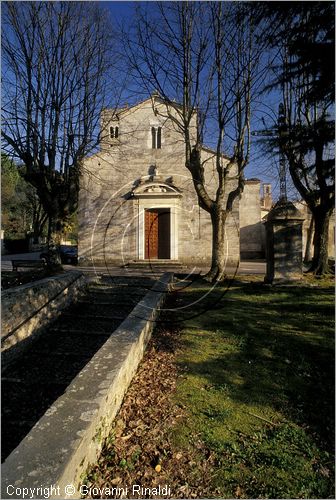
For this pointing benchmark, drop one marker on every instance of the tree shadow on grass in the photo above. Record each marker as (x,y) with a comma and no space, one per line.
(274,347)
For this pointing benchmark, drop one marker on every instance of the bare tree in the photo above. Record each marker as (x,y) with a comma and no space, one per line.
(304,35)
(308,146)
(55,60)
(202,55)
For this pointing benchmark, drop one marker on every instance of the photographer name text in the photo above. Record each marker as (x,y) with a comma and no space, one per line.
(135,490)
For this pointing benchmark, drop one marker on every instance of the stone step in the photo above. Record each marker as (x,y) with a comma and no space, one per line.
(63,344)
(110,301)
(75,322)
(99,301)
(49,369)
(136,292)
(123,304)
(75,332)
(155,263)
(127,283)
(113,292)
(98,317)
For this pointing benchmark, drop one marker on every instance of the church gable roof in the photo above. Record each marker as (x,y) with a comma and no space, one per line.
(153,99)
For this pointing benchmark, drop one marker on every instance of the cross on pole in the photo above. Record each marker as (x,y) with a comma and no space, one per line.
(279,132)
(282,160)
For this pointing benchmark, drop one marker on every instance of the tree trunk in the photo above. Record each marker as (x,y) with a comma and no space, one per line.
(38,225)
(308,250)
(320,264)
(54,241)
(39,219)
(36,234)
(217,271)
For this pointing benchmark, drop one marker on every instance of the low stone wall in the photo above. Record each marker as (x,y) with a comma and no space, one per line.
(27,309)
(69,437)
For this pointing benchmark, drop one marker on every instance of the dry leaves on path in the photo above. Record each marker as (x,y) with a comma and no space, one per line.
(140,450)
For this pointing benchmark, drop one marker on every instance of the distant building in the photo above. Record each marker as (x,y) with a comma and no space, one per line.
(252,238)
(266,201)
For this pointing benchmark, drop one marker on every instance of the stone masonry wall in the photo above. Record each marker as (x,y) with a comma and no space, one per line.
(251,228)
(27,309)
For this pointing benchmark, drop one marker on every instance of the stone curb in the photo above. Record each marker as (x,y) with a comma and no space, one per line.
(28,309)
(59,448)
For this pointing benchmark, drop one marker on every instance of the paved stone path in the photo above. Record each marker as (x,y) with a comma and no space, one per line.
(245,267)
(32,383)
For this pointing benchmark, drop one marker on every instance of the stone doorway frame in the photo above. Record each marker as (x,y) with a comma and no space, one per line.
(141,227)
(156,195)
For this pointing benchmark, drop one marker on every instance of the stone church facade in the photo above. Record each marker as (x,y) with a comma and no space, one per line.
(137,200)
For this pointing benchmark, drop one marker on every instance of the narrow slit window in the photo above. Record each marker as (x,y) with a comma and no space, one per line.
(156,138)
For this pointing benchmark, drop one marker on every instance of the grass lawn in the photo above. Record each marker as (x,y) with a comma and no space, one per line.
(258,386)
(255,388)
